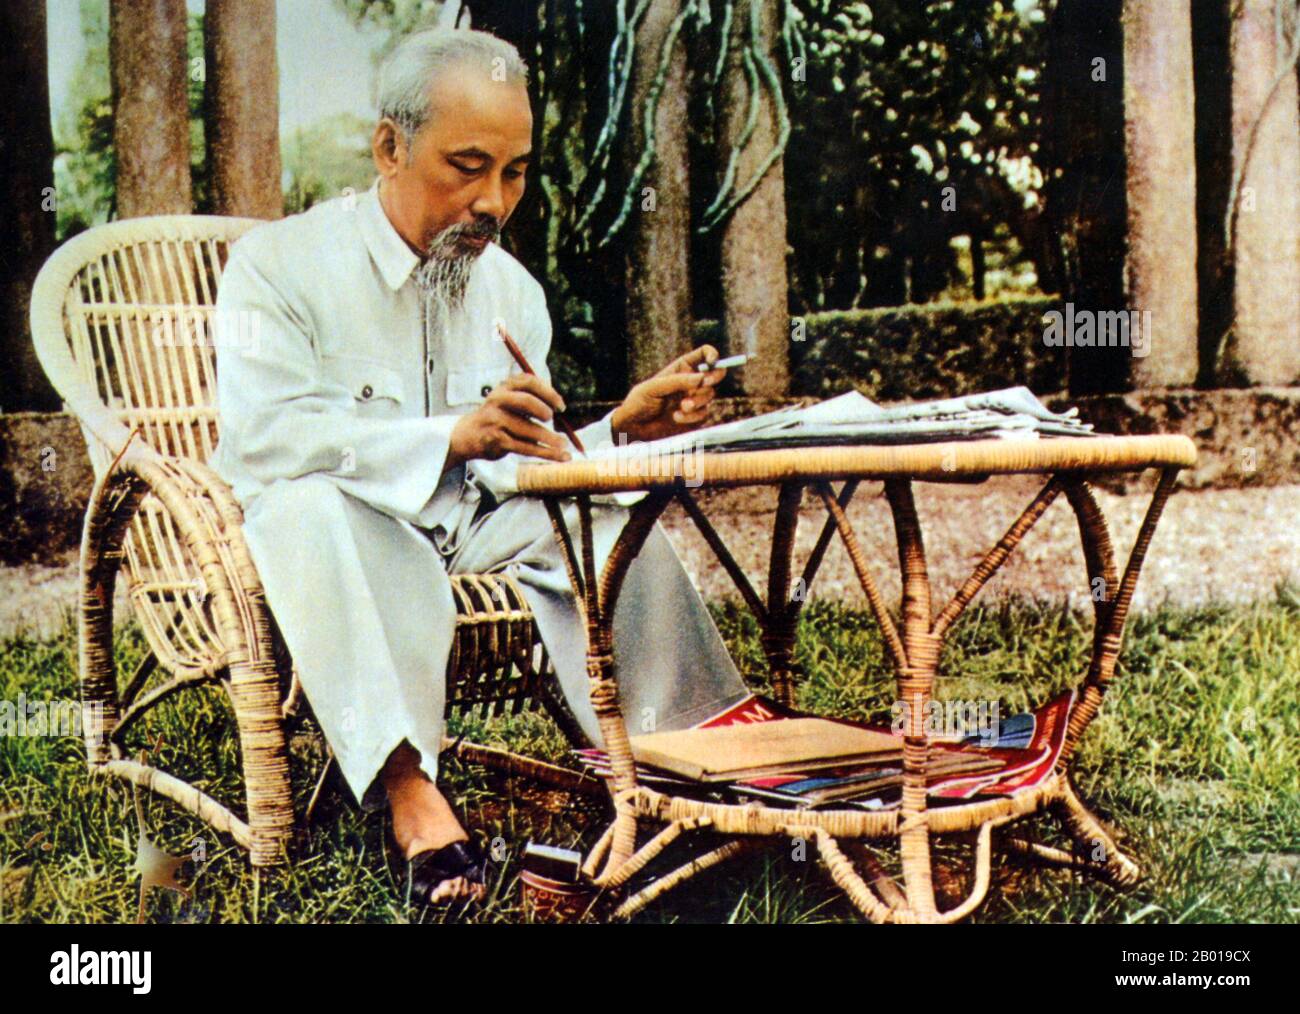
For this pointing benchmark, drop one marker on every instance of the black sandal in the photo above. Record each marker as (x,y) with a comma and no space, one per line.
(433,867)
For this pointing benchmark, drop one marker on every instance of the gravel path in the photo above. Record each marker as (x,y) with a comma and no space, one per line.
(1211,546)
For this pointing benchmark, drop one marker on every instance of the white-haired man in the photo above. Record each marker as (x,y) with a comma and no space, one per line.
(371,432)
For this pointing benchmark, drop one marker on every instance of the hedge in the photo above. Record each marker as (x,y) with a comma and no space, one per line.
(930,351)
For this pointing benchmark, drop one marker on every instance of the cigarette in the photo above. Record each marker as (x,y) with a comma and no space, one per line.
(723,364)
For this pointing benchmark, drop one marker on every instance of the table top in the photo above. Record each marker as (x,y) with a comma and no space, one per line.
(965,459)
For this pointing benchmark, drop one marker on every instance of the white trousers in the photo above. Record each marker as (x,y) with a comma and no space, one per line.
(364,603)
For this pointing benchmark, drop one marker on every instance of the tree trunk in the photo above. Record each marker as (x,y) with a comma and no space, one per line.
(657,268)
(754,282)
(978,265)
(1160,153)
(151,117)
(27,212)
(1212,73)
(242,108)
(1083,138)
(1265,343)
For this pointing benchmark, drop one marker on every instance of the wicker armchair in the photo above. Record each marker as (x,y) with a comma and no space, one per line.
(122,320)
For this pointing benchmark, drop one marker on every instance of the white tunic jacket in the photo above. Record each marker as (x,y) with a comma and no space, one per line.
(336,411)
(329,370)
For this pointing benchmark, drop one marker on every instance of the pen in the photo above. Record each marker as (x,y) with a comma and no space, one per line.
(723,364)
(518,355)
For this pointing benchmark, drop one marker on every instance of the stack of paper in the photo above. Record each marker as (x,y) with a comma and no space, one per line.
(855,419)
(759,750)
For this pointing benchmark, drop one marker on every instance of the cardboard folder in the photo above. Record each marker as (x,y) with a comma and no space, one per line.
(754,750)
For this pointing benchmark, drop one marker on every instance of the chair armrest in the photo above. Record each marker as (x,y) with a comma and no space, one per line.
(207,522)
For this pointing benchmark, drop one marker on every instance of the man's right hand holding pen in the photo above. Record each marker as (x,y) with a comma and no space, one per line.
(506,424)
(675,400)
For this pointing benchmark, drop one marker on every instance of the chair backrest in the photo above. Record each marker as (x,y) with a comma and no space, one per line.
(123,318)
(124,325)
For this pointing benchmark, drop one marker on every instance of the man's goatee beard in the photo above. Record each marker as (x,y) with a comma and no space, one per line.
(443,276)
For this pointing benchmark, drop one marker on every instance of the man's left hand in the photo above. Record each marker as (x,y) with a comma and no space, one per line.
(674,400)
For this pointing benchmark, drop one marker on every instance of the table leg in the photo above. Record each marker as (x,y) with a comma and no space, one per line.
(915,685)
(782,610)
(915,652)
(1094,848)
(598,595)
(616,855)
(1112,612)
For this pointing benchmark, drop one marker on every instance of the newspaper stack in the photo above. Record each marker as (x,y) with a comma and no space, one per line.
(1014,413)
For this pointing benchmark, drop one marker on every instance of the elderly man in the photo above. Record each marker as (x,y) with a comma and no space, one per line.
(372,429)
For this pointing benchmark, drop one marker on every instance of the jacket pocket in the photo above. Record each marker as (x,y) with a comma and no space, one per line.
(367,380)
(470,385)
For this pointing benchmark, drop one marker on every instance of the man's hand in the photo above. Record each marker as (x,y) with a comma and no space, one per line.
(674,400)
(504,424)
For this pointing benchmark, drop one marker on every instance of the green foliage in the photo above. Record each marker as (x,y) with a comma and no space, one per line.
(84,168)
(904,100)
(888,103)
(325,159)
(399,16)
(85,172)
(585,187)
(200,175)
(85,165)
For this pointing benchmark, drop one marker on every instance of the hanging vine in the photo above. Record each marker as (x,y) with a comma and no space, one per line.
(648,122)
(756,65)
(618,82)
(591,193)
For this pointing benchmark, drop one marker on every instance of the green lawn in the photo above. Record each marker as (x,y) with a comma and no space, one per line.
(1194,757)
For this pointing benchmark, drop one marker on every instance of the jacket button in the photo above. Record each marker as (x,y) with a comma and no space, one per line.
(486,390)
(367,391)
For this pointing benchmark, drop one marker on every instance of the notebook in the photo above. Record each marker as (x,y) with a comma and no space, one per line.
(757,749)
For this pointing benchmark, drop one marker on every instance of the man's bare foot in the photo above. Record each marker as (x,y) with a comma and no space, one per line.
(422,819)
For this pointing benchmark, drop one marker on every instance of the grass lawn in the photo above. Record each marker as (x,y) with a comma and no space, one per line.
(1194,758)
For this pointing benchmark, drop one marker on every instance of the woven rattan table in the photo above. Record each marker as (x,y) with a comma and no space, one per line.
(913,645)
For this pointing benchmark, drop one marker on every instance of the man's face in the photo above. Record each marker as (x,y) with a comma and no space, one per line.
(466,166)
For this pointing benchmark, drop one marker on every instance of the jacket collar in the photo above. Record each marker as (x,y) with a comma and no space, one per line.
(388,250)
